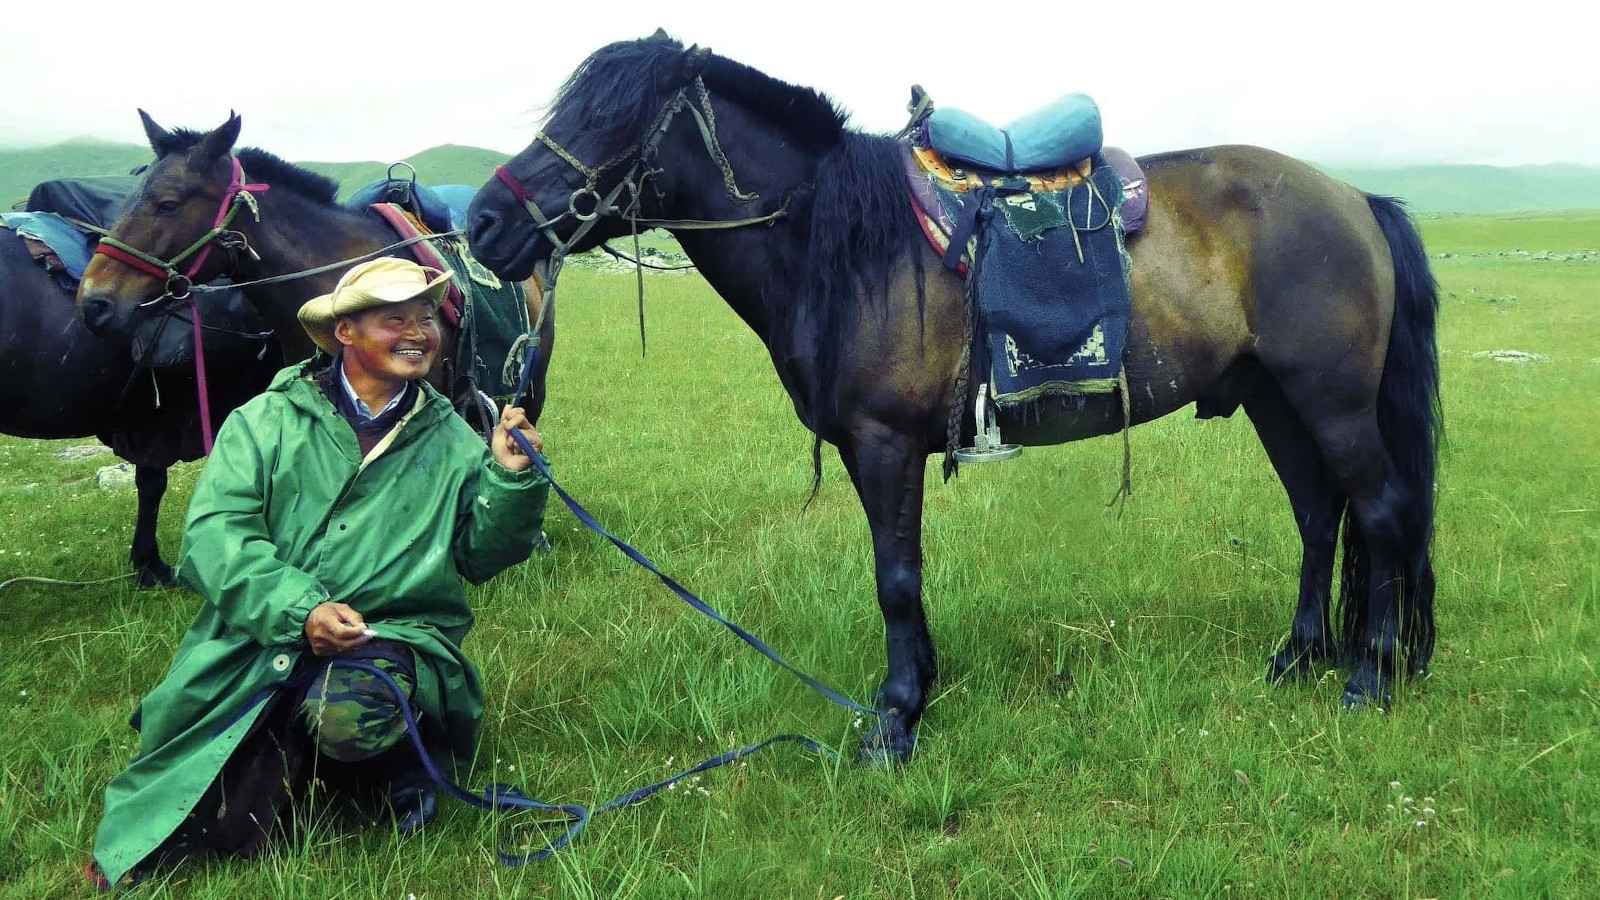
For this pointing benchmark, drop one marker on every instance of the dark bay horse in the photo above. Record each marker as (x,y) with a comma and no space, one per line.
(300,227)
(57,380)
(1257,282)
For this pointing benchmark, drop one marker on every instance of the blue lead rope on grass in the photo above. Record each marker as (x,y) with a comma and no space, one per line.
(577,817)
(672,584)
(506,797)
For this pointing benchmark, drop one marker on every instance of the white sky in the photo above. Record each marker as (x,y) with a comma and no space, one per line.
(1355,82)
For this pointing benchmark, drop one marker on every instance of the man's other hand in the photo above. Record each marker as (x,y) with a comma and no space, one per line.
(506,451)
(334,628)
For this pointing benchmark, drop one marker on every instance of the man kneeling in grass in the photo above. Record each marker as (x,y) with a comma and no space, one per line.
(338,513)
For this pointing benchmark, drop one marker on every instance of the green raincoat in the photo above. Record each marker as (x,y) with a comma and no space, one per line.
(288,515)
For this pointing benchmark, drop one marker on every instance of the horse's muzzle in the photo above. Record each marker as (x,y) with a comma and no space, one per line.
(98,313)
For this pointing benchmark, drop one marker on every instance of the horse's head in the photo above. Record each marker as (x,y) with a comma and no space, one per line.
(154,251)
(604,127)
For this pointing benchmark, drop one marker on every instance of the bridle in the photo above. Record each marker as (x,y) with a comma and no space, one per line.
(644,153)
(239,194)
(178,285)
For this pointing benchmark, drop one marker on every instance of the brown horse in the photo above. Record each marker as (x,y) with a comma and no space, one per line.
(59,381)
(300,227)
(1257,282)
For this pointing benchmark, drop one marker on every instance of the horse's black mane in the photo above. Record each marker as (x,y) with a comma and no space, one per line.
(268,167)
(620,88)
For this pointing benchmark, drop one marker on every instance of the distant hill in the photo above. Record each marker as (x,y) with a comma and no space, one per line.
(1439,190)
(1475,190)
(20,170)
(444,164)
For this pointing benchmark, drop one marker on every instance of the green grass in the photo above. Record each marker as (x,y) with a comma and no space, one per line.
(1101,725)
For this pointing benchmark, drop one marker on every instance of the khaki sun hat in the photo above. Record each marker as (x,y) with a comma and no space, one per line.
(366,286)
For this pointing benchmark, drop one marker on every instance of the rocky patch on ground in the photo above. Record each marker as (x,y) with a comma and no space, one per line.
(1510,356)
(81,451)
(1530,255)
(600,261)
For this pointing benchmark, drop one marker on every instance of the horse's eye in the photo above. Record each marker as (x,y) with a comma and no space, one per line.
(167,206)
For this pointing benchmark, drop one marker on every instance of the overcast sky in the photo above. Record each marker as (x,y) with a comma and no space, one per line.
(1360,82)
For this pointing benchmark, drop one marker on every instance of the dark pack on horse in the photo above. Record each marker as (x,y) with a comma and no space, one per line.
(285,240)
(57,380)
(1257,282)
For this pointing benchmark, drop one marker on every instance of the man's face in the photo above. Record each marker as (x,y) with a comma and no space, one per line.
(396,342)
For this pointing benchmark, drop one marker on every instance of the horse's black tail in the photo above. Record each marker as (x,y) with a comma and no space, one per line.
(1412,423)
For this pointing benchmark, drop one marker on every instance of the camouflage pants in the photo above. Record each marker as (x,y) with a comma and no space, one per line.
(351,715)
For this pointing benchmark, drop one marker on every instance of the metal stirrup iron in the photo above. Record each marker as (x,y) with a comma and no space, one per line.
(987,445)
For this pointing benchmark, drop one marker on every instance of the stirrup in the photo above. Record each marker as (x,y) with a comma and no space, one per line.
(987,446)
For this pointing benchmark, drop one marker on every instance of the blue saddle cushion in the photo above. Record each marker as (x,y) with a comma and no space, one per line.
(444,207)
(1058,135)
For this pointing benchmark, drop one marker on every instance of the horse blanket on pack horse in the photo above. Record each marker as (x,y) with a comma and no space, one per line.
(59,221)
(62,222)
(495,336)
(1034,217)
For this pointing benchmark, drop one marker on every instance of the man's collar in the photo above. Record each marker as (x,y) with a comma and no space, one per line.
(359,405)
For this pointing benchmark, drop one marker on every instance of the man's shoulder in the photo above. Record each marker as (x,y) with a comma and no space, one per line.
(291,384)
(442,422)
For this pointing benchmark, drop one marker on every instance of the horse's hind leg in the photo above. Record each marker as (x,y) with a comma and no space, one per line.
(887,473)
(1379,550)
(1317,503)
(149,569)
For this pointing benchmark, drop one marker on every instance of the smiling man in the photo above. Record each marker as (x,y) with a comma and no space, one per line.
(338,516)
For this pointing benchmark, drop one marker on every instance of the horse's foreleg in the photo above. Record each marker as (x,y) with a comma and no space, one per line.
(887,471)
(149,569)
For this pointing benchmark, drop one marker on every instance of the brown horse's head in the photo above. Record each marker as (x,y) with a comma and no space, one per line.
(174,206)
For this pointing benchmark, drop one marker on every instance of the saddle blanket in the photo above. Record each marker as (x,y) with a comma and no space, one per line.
(63,248)
(64,244)
(1046,266)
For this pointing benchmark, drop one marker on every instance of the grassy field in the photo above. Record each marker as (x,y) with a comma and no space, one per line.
(1101,727)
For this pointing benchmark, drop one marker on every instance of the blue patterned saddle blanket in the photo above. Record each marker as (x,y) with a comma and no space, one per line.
(1046,264)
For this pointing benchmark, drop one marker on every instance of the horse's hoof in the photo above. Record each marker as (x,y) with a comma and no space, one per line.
(154,573)
(886,746)
(1364,690)
(1287,665)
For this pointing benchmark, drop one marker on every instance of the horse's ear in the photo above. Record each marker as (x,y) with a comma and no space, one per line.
(160,139)
(660,35)
(694,61)
(219,142)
